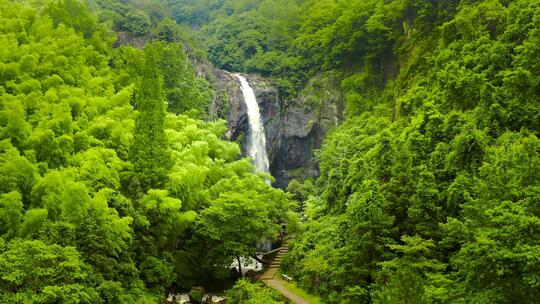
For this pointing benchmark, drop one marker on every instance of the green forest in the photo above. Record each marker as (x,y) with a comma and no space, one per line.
(118,184)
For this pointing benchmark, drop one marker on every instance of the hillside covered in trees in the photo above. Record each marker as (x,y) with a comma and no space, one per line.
(116,185)
(429,190)
(107,197)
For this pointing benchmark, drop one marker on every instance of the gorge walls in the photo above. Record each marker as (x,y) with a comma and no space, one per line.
(294,127)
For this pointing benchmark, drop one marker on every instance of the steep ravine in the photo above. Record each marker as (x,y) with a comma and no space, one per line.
(294,127)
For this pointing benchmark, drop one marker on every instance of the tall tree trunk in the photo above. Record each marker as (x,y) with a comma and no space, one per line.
(239,265)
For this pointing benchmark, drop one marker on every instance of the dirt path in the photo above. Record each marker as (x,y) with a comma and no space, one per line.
(270,278)
(278,284)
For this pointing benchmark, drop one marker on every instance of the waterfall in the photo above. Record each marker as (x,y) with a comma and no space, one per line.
(256,139)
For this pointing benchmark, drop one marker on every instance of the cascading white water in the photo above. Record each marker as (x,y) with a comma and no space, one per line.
(256,139)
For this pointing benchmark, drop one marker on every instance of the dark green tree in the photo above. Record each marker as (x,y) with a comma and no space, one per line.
(149,153)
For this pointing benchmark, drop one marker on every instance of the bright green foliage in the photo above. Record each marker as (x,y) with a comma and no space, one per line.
(239,217)
(101,187)
(41,273)
(137,23)
(16,172)
(33,221)
(73,14)
(166,222)
(428,191)
(193,12)
(129,17)
(245,292)
(11,208)
(402,277)
(248,36)
(499,254)
(167,30)
(149,151)
(185,91)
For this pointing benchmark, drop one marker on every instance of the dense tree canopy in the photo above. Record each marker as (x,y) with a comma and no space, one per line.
(105,197)
(429,190)
(114,190)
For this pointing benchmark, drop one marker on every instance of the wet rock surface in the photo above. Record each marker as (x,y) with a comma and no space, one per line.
(294,127)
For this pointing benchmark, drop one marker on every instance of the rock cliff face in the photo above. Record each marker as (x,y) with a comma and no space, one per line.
(124,38)
(229,104)
(294,127)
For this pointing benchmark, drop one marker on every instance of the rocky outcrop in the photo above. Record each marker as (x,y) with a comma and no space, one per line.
(297,128)
(124,38)
(294,127)
(228,104)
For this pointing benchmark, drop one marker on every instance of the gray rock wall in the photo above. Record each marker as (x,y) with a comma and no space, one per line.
(294,128)
(124,38)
